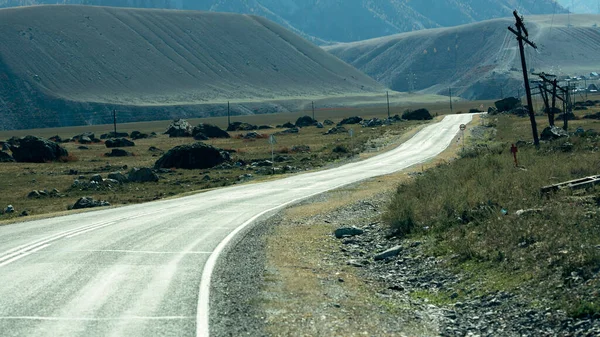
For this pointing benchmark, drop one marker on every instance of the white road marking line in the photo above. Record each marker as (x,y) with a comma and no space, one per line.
(89,230)
(126,318)
(132,251)
(23,255)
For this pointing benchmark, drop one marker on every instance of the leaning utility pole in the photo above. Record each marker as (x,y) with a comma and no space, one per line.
(115,121)
(228,115)
(387,93)
(523,36)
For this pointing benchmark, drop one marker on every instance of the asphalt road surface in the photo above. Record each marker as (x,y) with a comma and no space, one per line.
(144,270)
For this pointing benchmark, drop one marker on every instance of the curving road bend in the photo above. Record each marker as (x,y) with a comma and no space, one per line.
(144,270)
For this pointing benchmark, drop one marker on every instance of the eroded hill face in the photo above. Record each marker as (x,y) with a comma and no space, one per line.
(479,61)
(69,65)
(325,21)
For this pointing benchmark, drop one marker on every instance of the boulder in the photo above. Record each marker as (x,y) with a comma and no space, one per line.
(417,115)
(135,135)
(142,175)
(119,177)
(336,130)
(320,125)
(6,158)
(96,178)
(372,123)
(252,135)
(262,163)
(239,126)
(179,128)
(507,104)
(347,231)
(31,149)
(155,149)
(210,131)
(290,131)
(552,133)
(265,127)
(570,116)
(200,136)
(56,139)
(114,135)
(593,116)
(520,111)
(350,120)
(9,209)
(300,149)
(83,147)
(85,138)
(192,156)
(328,122)
(288,125)
(493,111)
(119,142)
(89,202)
(34,194)
(388,254)
(118,153)
(305,121)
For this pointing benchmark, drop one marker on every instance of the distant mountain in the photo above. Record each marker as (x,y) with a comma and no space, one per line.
(71,65)
(324,21)
(480,60)
(581,6)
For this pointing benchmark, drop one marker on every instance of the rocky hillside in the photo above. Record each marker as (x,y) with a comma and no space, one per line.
(153,64)
(325,21)
(480,61)
(581,6)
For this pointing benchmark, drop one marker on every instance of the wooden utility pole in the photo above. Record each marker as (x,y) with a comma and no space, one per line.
(115,121)
(523,36)
(451,109)
(387,93)
(545,98)
(555,96)
(228,115)
(313,109)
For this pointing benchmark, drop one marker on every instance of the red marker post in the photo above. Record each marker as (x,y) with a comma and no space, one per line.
(514,150)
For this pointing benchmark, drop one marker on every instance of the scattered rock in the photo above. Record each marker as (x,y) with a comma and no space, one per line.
(350,120)
(265,127)
(118,177)
(262,163)
(328,122)
(118,153)
(552,133)
(417,115)
(83,148)
(347,231)
(179,128)
(85,138)
(336,130)
(288,125)
(493,111)
(24,213)
(200,136)
(96,178)
(290,131)
(300,149)
(372,123)
(9,209)
(142,175)
(192,156)
(89,202)
(112,134)
(135,135)
(31,149)
(210,131)
(34,194)
(507,104)
(252,135)
(155,149)
(392,252)
(592,116)
(6,158)
(305,121)
(119,142)
(239,126)
(520,111)
(320,125)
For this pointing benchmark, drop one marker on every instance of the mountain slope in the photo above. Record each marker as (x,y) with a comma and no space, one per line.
(581,6)
(480,61)
(59,64)
(344,21)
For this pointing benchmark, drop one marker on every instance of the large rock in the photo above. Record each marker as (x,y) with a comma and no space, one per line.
(142,175)
(552,133)
(520,111)
(179,128)
(507,104)
(336,130)
(114,135)
(351,120)
(191,156)
(417,115)
(6,158)
(239,126)
(89,202)
(388,254)
(86,138)
(118,153)
(118,176)
(210,131)
(31,149)
(347,231)
(139,135)
(305,121)
(119,142)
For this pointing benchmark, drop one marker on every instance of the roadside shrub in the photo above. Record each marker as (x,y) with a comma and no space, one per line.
(340,149)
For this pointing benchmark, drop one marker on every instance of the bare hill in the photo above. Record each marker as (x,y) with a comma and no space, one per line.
(71,65)
(326,21)
(480,61)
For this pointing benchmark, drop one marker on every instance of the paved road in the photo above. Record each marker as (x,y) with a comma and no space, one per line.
(137,270)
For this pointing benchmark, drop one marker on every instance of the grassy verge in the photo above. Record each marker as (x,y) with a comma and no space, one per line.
(490,221)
